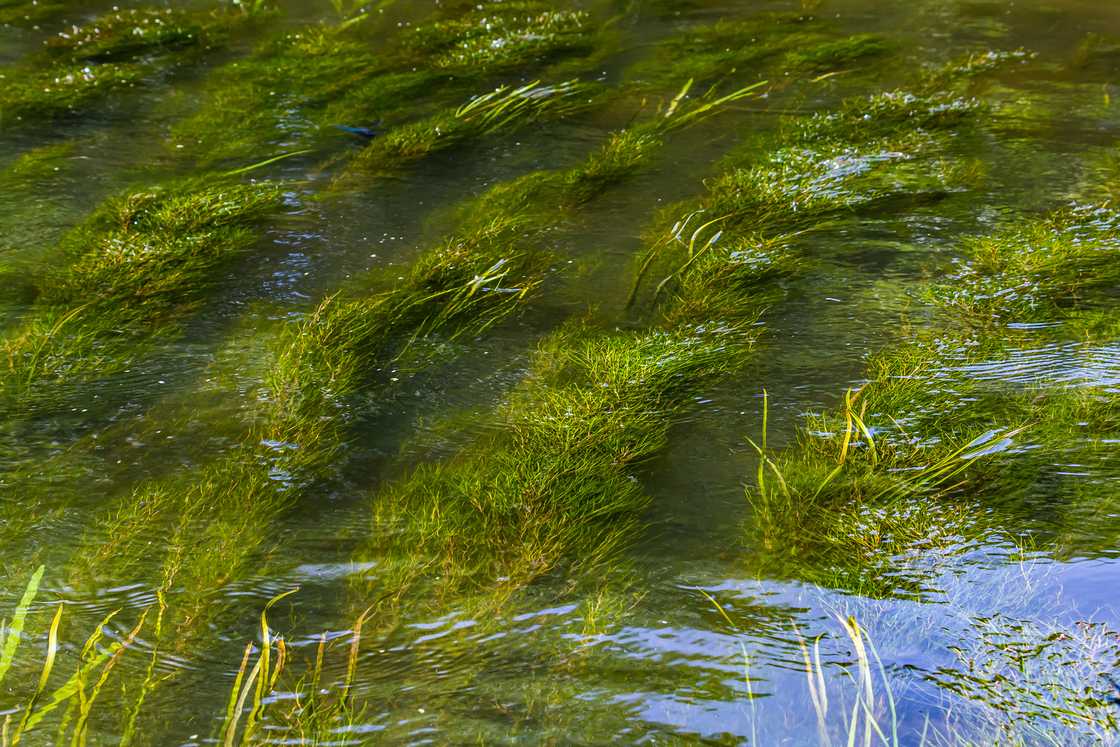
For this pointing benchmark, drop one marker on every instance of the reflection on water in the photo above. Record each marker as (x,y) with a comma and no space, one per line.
(492,490)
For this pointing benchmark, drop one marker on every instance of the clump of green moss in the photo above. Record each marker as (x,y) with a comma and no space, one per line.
(136,267)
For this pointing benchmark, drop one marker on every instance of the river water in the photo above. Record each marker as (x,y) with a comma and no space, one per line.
(143,470)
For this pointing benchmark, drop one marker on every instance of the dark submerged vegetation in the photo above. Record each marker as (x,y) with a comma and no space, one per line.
(119,49)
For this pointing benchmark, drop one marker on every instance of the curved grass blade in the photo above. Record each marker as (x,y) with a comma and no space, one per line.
(11,639)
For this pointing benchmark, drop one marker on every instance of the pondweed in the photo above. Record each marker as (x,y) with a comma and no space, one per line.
(132,272)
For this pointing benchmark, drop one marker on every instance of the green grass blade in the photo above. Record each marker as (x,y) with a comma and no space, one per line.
(19,619)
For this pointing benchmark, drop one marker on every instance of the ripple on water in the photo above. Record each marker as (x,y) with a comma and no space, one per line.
(1064,364)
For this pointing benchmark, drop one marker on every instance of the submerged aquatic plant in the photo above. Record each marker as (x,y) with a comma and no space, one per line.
(80,692)
(902,465)
(61,89)
(29,13)
(131,271)
(296,86)
(721,263)
(554,481)
(504,109)
(1036,270)
(87,62)
(498,35)
(790,44)
(128,34)
(461,287)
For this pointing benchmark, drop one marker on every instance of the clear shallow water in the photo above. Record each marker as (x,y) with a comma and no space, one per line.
(691,633)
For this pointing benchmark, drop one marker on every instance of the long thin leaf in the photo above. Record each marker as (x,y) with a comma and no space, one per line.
(28,720)
(19,619)
(79,737)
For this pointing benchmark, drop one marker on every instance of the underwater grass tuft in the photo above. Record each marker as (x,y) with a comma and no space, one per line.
(553,480)
(133,270)
(1034,271)
(904,462)
(505,109)
(501,35)
(116,50)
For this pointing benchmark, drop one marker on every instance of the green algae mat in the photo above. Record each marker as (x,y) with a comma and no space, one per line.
(542,372)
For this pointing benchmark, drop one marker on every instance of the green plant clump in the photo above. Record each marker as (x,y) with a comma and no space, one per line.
(504,109)
(292,88)
(501,35)
(119,49)
(134,269)
(908,460)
